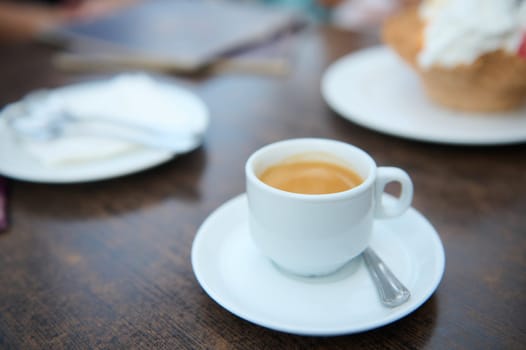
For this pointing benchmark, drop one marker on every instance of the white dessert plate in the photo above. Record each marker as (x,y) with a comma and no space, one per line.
(374,88)
(232,272)
(16,162)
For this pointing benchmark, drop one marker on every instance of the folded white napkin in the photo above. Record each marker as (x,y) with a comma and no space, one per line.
(136,98)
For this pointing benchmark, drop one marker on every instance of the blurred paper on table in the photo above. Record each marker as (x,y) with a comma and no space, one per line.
(184,35)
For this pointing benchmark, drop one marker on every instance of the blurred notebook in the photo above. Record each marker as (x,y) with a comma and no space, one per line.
(186,35)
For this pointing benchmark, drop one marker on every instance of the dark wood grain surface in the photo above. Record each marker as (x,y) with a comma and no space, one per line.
(107,264)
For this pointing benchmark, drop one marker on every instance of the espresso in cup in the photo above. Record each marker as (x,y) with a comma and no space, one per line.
(312,230)
(310,176)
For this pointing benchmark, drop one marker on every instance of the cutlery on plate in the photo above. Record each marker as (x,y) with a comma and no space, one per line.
(391,291)
(50,124)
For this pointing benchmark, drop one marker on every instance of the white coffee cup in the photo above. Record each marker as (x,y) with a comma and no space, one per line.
(316,234)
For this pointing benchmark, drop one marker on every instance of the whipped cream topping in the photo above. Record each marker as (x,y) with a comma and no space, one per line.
(459,31)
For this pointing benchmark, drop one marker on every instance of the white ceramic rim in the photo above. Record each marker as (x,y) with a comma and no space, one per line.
(366,184)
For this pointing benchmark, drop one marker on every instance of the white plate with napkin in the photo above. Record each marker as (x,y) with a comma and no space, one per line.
(88,149)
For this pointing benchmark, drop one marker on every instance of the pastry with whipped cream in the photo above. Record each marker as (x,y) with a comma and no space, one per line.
(470,54)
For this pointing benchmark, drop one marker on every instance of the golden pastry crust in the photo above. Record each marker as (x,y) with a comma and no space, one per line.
(494,82)
(404,33)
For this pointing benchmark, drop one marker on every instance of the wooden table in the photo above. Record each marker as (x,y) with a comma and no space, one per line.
(107,264)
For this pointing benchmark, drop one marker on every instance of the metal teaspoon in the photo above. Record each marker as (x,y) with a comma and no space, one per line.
(391,291)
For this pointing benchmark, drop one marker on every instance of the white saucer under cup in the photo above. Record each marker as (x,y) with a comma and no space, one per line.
(233,272)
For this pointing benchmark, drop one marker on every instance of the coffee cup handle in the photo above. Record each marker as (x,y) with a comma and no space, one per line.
(397,207)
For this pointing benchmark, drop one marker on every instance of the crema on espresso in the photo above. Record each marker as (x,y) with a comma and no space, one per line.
(310,177)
